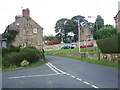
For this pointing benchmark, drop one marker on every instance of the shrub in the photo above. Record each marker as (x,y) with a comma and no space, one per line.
(30,54)
(10,49)
(109,45)
(10,59)
(5,51)
(13,48)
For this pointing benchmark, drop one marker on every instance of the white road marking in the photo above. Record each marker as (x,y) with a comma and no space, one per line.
(62,72)
(73,76)
(94,86)
(86,82)
(79,79)
(68,74)
(52,68)
(56,68)
(17,77)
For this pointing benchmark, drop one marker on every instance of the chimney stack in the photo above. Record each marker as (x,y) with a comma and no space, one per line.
(26,12)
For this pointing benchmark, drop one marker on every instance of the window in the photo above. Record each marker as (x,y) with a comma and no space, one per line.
(35,31)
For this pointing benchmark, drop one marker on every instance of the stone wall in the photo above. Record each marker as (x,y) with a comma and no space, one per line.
(109,57)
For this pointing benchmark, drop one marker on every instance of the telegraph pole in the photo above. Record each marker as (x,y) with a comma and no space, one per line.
(79,36)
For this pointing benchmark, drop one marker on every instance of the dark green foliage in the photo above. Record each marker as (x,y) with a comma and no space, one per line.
(30,54)
(10,35)
(9,50)
(106,32)
(109,45)
(13,56)
(10,59)
(99,23)
(65,26)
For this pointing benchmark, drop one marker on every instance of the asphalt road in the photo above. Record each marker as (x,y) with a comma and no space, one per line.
(62,73)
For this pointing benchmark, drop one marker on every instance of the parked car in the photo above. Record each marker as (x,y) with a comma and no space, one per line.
(68,46)
(86,44)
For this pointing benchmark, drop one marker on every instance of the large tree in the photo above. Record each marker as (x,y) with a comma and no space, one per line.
(99,23)
(106,32)
(65,26)
(60,27)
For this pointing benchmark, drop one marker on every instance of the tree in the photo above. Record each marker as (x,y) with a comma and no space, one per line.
(99,23)
(64,26)
(82,21)
(60,27)
(106,32)
(48,38)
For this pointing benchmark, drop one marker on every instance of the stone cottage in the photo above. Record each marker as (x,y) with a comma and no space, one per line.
(85,34)
(29,32)
(117,22)
(117,19)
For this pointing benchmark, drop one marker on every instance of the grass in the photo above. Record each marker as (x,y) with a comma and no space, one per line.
(30,65)
(99,62)
(94,61)
(89,49)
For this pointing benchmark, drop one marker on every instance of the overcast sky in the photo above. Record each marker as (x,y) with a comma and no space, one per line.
(47,12)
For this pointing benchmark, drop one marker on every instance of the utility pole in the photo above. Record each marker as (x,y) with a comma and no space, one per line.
(79,36)
(97,34)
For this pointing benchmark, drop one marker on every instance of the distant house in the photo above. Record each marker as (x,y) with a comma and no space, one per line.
(86,34)
(29,32)
(117,21)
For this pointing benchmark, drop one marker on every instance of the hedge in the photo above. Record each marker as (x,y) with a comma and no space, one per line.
(109,45)
(13,56)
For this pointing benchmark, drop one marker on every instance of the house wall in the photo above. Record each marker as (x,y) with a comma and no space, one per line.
(84,32)
(117,22)
(25,27)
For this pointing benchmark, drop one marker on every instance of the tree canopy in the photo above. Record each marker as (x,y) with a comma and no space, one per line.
(106,32)
(65,26)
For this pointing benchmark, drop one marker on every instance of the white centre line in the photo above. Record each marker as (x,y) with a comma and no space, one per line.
(79,79)
(86,82)
(68,74)
(56,68)
(52,68)
(94,86)
(73,76)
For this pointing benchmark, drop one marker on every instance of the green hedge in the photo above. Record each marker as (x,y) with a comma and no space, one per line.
(17,55)
(109,45)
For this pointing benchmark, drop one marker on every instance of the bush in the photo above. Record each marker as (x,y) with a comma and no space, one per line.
(109,45)
(10,59)
(30,54)
(9,50)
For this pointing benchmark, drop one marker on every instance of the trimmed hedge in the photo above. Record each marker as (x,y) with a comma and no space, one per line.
(109,45)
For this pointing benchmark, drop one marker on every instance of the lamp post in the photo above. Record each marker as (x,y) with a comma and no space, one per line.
(79,36)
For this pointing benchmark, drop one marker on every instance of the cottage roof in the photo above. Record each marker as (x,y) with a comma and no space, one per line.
(117,15)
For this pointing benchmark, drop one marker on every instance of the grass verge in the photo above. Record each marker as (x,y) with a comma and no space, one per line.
(94,61)
(99,62)
(88,49)
(30,65)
